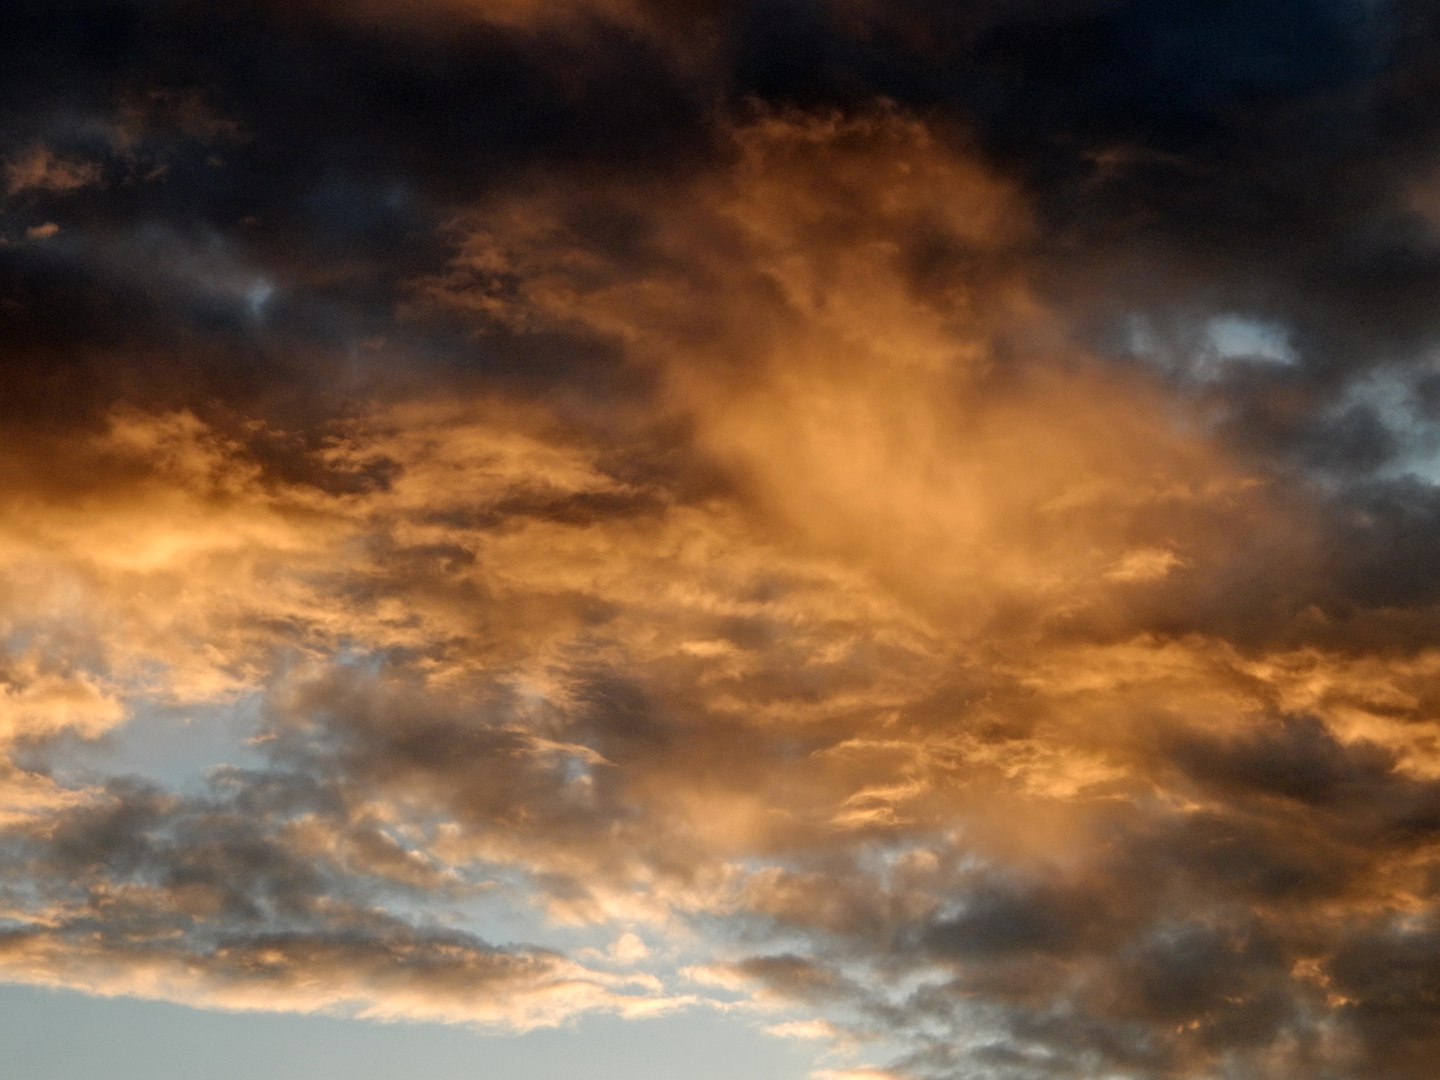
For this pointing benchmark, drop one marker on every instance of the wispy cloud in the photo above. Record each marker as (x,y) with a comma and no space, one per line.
(41,169)
(755,519)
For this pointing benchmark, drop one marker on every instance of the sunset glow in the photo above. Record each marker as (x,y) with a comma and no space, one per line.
(909,529)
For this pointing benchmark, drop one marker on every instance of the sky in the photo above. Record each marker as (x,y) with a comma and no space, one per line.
(725,539)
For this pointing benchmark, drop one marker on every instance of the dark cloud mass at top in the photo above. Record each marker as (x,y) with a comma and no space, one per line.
(912,522)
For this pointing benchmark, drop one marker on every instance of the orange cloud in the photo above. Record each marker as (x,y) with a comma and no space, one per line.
(41,169)
(920,678)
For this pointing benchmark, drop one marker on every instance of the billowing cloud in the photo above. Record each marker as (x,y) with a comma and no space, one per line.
(911,540)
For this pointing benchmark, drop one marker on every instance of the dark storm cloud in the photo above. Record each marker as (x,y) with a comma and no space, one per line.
(222,202)
(1251,158)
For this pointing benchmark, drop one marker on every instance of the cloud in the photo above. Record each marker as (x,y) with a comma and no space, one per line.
(526,629)
(197,906)
(41,169)
(780,522)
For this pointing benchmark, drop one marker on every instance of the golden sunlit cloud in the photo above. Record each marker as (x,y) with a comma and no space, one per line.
(883,659)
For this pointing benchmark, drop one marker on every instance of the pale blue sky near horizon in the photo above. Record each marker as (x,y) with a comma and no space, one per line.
(50,1034)
(63,1035)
